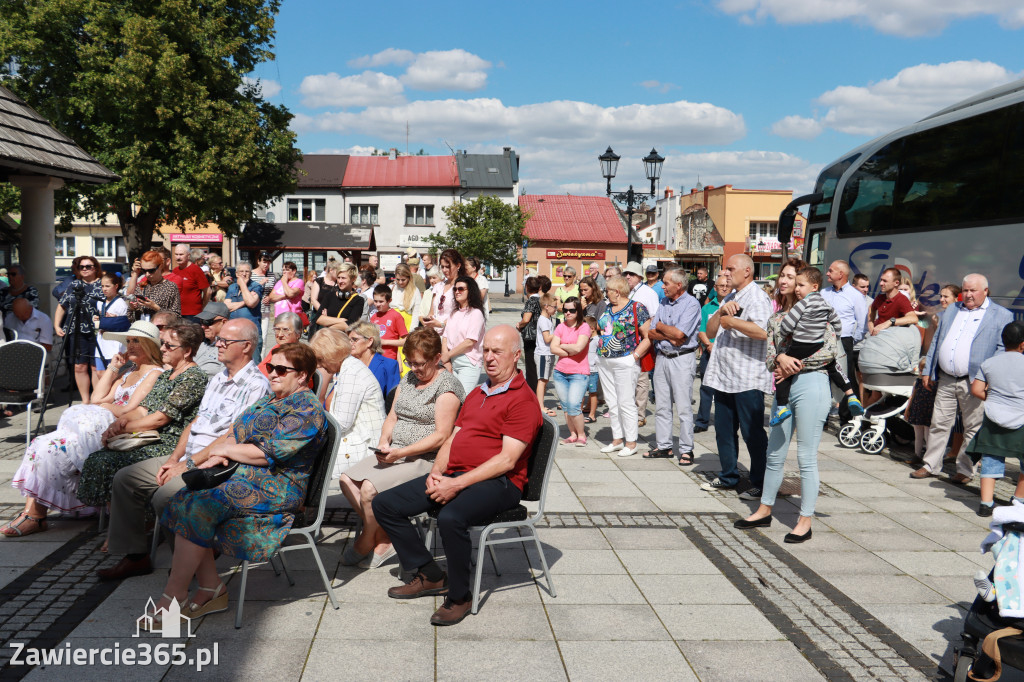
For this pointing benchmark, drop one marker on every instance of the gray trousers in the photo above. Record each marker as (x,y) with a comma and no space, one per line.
(673,384)
(134,487)
(643,388)
(950,394)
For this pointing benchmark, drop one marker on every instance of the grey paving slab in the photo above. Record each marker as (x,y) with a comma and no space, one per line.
(961,541)
(594,589)
(385,659)
(19,554)
(689,589)
(265,620)
(251,659)
(947,521)
(618,489)
(459,661)
(647,538)
(890,589)
(588,475)
(853,522)
(865,491)
(748,661)
(957,589)
(388,619)
(730,622)
(618,504)
(929,563)
(581,561)
(620,622)
(828,564)
(903,539)
(824,540)
(579,538)
(921,622)
(900,505)
(600,661)
(500,621)
(99,672)
(673,561)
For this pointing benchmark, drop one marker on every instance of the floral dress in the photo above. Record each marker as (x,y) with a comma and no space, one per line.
(51,465)
(177,398)
(249,515)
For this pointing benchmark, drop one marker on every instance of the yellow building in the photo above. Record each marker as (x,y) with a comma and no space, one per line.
(747,219)
(104,241)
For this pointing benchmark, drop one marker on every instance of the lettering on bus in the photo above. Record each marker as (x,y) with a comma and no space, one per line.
(927,292)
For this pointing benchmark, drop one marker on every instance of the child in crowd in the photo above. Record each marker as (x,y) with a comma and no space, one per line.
(389,321)
(805,322)
(543,356)
(590,406)
(1000,383)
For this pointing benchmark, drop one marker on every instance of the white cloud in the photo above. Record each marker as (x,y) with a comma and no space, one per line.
(268,88)
(383,58)
(659,86)
(910,95)
(356,150)
(798,127)
(562,123)
(902,17)
(369,88)
(446,70)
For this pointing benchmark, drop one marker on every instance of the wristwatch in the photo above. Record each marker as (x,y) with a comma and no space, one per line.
(190,464)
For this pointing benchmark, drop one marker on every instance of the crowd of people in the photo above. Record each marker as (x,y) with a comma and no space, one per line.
(435,413)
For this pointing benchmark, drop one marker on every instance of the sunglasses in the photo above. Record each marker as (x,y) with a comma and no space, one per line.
(149,271)
(460,288)
(169,346)
(569,310)
(87,266)
(210,323)
(279,369)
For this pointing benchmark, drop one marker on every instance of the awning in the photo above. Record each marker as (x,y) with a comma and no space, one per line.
(307,237)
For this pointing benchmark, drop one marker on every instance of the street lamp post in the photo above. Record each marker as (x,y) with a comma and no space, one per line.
(631,198)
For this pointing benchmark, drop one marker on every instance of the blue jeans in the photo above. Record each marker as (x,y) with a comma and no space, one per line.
(570,389)
(744,413)
(810,399)
(707,395)
(992,466)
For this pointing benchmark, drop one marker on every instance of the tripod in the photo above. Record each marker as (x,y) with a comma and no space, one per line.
(79,309)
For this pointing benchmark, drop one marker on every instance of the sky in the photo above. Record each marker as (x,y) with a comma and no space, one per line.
(760,94)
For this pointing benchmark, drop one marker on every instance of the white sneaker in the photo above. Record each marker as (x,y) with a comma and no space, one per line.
(611,447)
(626,452)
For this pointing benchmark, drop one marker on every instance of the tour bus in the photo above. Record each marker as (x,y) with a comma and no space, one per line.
(938,199)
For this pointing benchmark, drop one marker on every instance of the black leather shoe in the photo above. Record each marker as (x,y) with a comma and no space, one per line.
(793,538)
(985,510)
(700,429)
(763,522)
(126,568)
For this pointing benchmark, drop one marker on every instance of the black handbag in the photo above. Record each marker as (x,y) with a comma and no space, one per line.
(203,479)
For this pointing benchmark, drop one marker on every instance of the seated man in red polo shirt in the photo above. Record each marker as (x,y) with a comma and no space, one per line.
(479,471)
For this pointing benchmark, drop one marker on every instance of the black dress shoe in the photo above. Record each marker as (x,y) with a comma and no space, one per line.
(700,429)
(985,510)
(793,538)
(762,522)
(127,568)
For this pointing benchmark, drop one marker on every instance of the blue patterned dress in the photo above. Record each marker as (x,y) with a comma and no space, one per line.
(249,515)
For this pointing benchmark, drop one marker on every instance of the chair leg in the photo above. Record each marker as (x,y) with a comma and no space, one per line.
(428,537)
(478,570)
(28,424)
(156,541)
(284,567)
(543,562)
(102,522)
(323,574)
(241,595)
(494,559)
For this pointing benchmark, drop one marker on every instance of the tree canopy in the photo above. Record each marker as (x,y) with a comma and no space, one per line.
(487,228)
(156,90)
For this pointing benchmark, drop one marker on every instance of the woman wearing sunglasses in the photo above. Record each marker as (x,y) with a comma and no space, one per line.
(81,346)
(275,442)
(463,338)
(156,293)
(571,345)
(169,407)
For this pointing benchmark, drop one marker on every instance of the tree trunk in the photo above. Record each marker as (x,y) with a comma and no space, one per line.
(137,231)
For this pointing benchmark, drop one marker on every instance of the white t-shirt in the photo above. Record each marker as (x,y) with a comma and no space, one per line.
(481,282)
(544,324)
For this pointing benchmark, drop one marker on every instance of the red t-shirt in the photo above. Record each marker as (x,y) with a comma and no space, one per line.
(885,308)
(484,420)
(191,281)
(392,326)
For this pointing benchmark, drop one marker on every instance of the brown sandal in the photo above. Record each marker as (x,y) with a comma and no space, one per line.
(13,527)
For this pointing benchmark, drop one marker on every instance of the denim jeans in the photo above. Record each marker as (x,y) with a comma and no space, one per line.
(466,372)
(570,389)
(992,466)
(744,413)
(707,395)
(810,399)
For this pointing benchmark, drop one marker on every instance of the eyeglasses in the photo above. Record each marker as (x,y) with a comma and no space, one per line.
(169,346)
(283,330)
(87,266)
(417,365)
(460,288)
(149,271)
(279,369)
(221,341)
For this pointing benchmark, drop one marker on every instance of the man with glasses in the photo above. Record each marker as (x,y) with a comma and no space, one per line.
(155,481)
(156,294)
(212,319)
(17,288)
(243,300)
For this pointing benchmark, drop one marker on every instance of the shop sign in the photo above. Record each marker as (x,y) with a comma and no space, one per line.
(197,237)
(559,254)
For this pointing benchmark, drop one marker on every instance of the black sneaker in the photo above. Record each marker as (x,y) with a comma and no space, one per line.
(717,484)
(700,429)
(751,493)
(985,510)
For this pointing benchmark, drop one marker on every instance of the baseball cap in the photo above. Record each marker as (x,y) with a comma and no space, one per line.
(213,310)
(652,268)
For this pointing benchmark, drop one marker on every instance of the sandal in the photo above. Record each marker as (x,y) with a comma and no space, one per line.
(641,422)
(13,527)
(660,453)
(589,420)
(685,459)
(216,604)
(568,441)
(581,442)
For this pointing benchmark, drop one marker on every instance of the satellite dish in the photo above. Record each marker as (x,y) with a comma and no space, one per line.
(270,216)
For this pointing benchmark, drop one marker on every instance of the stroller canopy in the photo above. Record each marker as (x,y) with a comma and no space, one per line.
(893,351)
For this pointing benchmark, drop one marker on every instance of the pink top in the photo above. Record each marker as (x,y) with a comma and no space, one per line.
(467,323)
(441,309)
(574,364)
(289,305)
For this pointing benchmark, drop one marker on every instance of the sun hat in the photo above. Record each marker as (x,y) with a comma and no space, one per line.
(634,268)
(139,330)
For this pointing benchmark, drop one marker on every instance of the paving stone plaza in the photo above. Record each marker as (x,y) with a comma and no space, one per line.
(652,581)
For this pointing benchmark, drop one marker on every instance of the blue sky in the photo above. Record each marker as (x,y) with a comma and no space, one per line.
(756,93)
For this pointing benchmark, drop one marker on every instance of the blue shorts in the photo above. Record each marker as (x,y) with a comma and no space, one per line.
(993,466)
(545,366)
(592,382)
(570,389)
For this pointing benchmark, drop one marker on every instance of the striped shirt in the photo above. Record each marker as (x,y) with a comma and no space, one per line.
(807,318)
(737,365)
(225,399)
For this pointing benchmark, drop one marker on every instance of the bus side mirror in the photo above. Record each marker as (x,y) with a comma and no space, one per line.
(788,215)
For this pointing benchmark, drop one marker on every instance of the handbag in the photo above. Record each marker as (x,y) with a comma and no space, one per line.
(211,477)
(529,332)
(647,359)
(130,441)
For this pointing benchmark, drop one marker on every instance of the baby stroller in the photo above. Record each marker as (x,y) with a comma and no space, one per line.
(888,363)
(983,619)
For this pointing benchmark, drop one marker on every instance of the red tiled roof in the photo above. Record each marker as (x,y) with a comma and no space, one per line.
(405,171)
(557,217)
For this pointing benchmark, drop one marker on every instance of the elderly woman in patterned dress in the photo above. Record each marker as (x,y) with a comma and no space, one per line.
(169,407)
(421,419)
(276,442)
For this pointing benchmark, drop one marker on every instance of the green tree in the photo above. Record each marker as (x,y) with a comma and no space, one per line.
(155,90)
(486,228)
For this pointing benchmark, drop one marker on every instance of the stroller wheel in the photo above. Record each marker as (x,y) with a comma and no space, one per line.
(963,666)
(849,436)
(872,443)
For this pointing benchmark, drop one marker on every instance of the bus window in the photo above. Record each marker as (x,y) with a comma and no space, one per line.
(827,182)
(867,201)
(815,249)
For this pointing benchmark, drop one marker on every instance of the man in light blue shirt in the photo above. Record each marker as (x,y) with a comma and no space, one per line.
(852,309)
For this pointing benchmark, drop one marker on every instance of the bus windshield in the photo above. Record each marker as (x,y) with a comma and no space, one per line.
(827,182)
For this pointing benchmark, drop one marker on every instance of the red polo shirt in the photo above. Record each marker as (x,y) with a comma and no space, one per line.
(485,419)
(191,281)
(885,308)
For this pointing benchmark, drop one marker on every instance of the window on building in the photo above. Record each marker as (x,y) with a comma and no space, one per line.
(65,247)
(764,230)
(419,215)
(108,247)
(307,210)
(363,214)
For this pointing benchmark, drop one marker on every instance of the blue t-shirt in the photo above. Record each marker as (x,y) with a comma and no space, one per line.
(251,313)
